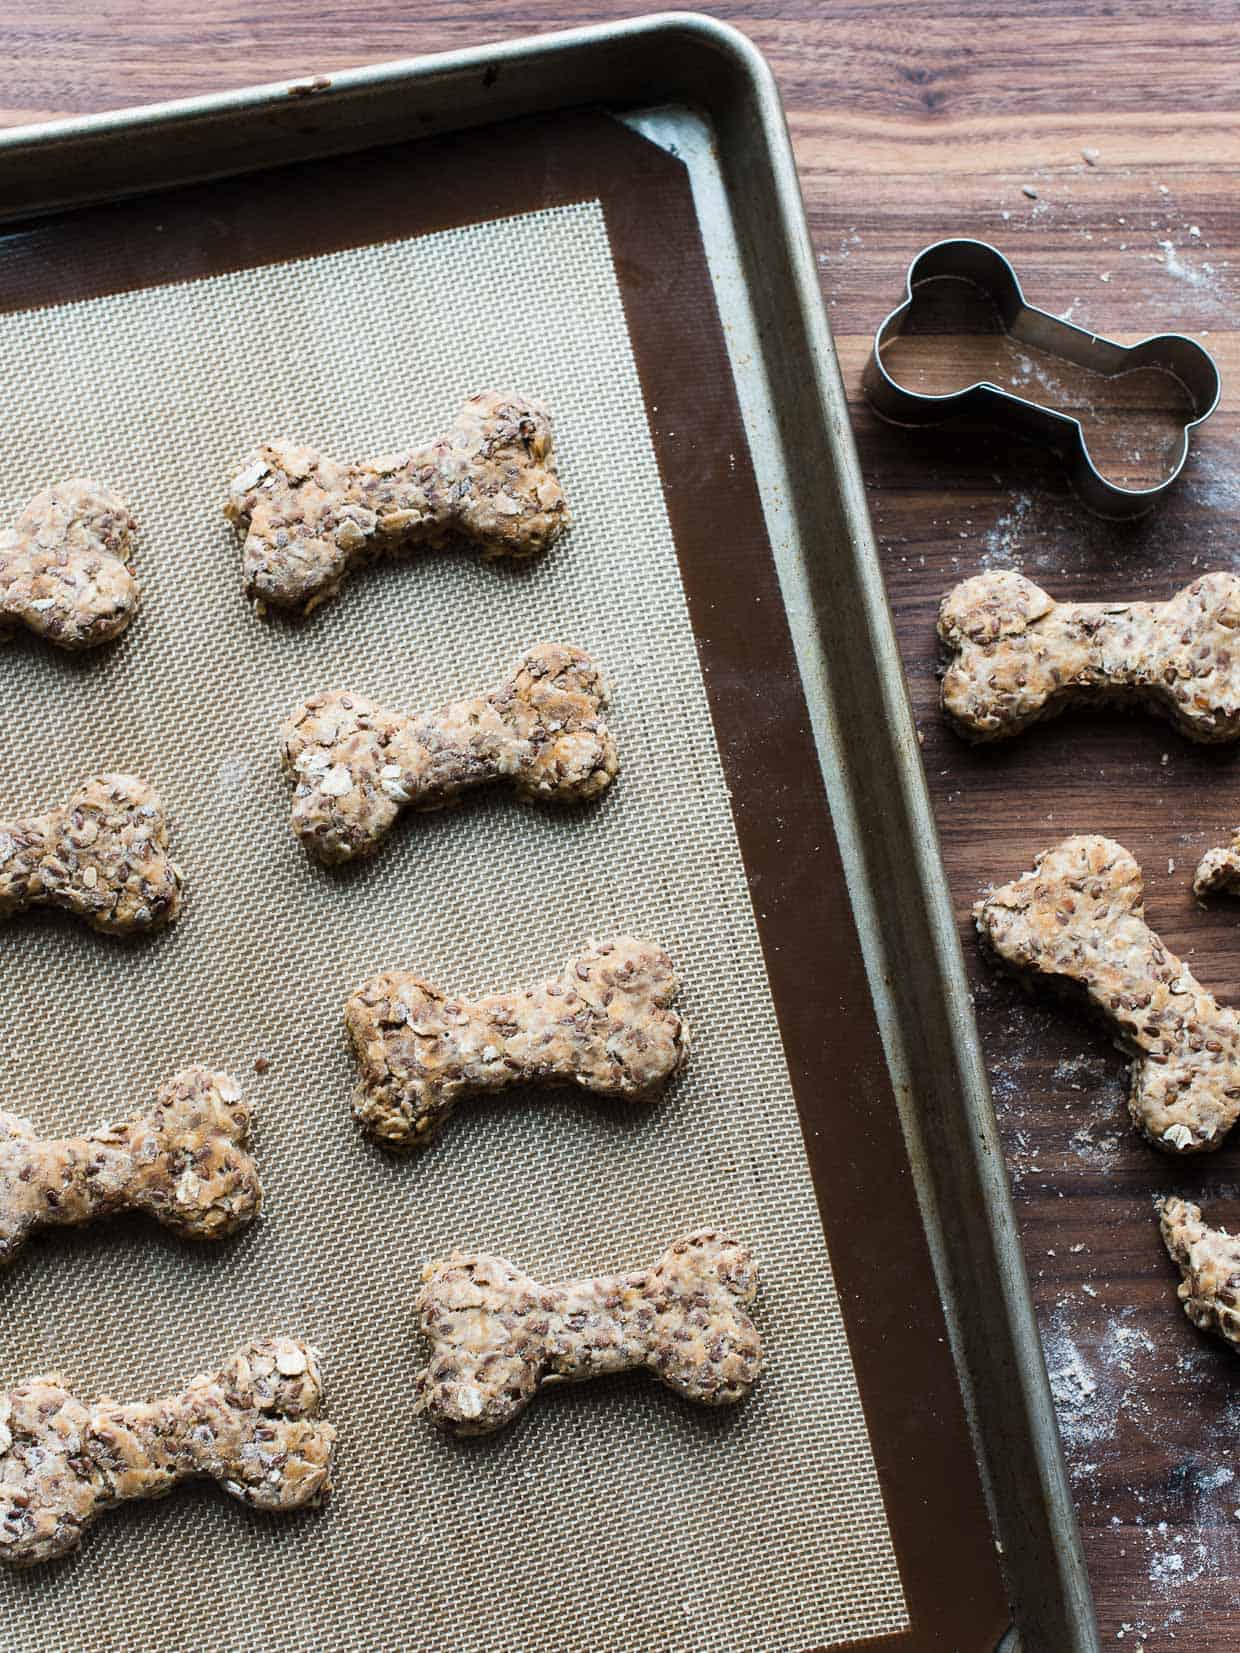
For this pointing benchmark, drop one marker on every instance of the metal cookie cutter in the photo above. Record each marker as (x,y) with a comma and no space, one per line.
(985,268)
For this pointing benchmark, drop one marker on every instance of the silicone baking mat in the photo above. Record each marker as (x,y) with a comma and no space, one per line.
(613,1514)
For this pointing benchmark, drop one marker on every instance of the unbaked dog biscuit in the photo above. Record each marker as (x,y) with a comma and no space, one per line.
(355,766)
(66,568)
(1077,921)
(184,1162)
(496,1335)
(255,1427)
(1209,1264)
(604,1023)
(490,481)
(1021,656)
(103,857)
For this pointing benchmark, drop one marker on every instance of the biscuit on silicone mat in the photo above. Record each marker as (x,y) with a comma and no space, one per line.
(182,1162)
(355,766)
(496,1335)
(489,481)
(103,857)
(66,569)
(604,1024)
(254,1427)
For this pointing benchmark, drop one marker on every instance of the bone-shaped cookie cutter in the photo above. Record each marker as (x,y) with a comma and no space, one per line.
(497,1336)
(1077,921)
(183,1162)
(1209,1264)
(255,1427)
(489,481)
(1021,656)
(984,267)
(604,1023)
(355,765)
(103,858)
(65,568)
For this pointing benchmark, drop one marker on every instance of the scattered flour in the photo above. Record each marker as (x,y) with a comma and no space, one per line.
(999,548)
(1082,1072)
(1096,1386)
(1175,265)
(1099,1152)
(1221,1477)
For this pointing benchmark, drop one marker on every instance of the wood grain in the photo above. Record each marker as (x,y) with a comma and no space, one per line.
(911,123)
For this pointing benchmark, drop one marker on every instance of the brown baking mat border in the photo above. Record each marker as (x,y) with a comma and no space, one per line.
(855,1147)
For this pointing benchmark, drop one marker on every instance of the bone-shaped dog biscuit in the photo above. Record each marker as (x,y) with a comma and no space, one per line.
(497,1335)
(1021,656)
(1209,1264)
(355,765)
(1219,869)
(184,1162)
(103,857)
(1077,920)
(255,1427)
(308,520)
(604,1024)
(65,570)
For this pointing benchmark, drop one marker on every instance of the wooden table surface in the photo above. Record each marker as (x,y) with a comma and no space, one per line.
(1099,146)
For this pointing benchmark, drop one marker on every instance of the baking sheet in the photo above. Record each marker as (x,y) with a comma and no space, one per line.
(612,1514)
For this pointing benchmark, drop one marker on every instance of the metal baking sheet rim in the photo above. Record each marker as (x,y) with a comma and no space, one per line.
(852,673)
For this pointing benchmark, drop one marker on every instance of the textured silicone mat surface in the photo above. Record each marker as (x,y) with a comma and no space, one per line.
(613,1515)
